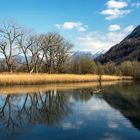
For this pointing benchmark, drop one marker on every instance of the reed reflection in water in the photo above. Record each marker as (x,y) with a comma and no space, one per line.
(71,110)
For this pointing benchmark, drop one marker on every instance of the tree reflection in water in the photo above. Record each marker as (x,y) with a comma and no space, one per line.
(19,111)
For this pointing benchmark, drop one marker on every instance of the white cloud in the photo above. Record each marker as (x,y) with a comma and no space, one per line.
(116,4)
(81,29)
(115,13)
(94,105)
(98,41)
(114,27)
(115,37)
(129,29)
(110,136)
(115,9)
(72,25)
(94,43)
(69,125)
(113,125)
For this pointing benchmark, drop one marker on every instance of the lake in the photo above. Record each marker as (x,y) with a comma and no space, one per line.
(86,111)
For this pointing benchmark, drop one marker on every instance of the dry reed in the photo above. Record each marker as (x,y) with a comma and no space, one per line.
(37,79)
(24,89)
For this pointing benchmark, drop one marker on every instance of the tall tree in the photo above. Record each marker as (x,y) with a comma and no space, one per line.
(56,51)
(9,33)
(31,51)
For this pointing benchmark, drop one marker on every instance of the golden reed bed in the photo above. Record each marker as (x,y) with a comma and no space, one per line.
(36,79)
(24,89)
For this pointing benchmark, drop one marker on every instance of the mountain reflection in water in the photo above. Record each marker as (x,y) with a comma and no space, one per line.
(65,113)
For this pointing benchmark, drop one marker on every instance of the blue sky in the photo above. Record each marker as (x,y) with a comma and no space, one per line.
(92,25)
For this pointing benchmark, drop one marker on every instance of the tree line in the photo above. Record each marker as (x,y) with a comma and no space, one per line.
(24,51)
(21,50)
(83,63)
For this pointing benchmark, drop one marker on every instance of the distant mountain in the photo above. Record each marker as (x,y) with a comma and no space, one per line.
(98,54)
(19,58)
(127,49)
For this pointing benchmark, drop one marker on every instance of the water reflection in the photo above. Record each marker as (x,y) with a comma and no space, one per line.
(126,99)
(76,108)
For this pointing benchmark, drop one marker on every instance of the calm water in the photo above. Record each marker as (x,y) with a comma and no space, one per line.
(79,114)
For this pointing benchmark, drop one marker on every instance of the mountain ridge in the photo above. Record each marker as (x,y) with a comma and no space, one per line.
(127,49)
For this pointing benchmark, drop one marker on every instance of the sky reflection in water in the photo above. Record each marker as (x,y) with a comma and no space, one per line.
(72,114)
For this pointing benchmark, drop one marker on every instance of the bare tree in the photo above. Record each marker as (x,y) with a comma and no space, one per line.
(43,107)
(56,51)
(30,48)
(9,33)
(36,54)
(23,50)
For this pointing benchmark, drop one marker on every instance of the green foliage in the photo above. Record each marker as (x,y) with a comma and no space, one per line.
(130,68)
(83,63)
(127,68)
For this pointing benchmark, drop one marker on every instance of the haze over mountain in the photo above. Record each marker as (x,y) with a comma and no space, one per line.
(127,49)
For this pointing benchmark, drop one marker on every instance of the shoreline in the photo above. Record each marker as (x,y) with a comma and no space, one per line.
(40,79)
(31,89)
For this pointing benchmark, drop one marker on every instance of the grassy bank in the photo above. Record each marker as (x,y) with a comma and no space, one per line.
(33,79)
